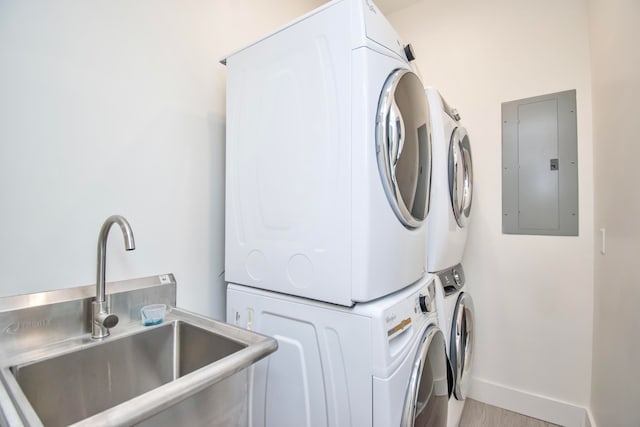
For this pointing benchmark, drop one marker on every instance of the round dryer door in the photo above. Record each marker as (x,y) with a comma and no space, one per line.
(403,147)
(461,345)
(427,395)
(460,175)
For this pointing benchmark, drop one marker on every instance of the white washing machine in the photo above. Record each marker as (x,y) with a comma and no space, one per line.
(451,196)
(328,163)
(381,363)
(452,185)
(456,319)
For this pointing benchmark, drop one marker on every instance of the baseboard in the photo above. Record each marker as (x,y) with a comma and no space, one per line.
(588,419)
(529,404)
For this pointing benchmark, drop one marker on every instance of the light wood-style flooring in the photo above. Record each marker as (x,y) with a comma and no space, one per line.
(477,414)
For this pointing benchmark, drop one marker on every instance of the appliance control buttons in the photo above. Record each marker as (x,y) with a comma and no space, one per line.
(424,306)
(425,303)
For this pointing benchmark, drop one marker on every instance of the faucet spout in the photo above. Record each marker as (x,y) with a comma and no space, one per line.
(101,319)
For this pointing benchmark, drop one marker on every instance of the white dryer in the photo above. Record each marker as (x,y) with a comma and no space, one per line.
(380,363)
(452,185)
(328,163)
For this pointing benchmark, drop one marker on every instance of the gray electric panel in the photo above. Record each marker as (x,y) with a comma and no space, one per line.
(540,165)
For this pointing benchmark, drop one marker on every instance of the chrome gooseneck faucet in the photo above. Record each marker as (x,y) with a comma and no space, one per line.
(101,319)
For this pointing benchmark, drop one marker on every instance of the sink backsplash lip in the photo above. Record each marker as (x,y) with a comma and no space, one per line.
(23,301)
(38,320)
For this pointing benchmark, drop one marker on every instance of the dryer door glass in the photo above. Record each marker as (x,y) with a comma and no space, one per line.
(403,146)
(460,175)
(461,351)
(427,395)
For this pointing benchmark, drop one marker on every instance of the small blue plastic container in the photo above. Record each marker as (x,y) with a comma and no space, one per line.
(153,314)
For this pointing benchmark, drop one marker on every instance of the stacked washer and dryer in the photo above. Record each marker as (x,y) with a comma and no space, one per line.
(451,196)
(328,183)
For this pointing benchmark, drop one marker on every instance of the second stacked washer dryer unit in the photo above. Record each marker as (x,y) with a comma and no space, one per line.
(448,227)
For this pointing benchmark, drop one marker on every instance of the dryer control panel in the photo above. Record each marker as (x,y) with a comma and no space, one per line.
(452,279)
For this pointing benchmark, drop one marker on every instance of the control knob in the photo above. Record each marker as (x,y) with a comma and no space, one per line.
(456,277)
(425,304)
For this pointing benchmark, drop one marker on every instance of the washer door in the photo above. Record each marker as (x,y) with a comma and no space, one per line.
(403,147)
(461,345)
(460,175)
(427,395)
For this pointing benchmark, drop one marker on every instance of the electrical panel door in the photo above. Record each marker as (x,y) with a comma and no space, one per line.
(540,165)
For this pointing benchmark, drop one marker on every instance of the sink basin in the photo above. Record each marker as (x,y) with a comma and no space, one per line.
(133,375)
(65,389)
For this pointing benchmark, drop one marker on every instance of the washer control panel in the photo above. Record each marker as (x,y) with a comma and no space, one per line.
(412,310)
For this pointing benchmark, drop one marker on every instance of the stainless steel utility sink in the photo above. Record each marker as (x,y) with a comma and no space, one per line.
(133,375)
(68,388)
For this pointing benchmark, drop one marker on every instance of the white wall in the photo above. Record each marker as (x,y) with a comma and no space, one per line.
(533,294)
(614,39)
(119,107)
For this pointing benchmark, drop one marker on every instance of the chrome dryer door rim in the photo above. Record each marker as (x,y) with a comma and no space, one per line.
(403,147)
(460,176)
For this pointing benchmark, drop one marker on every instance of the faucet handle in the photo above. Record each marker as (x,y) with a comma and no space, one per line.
(102,319)
(108,320)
